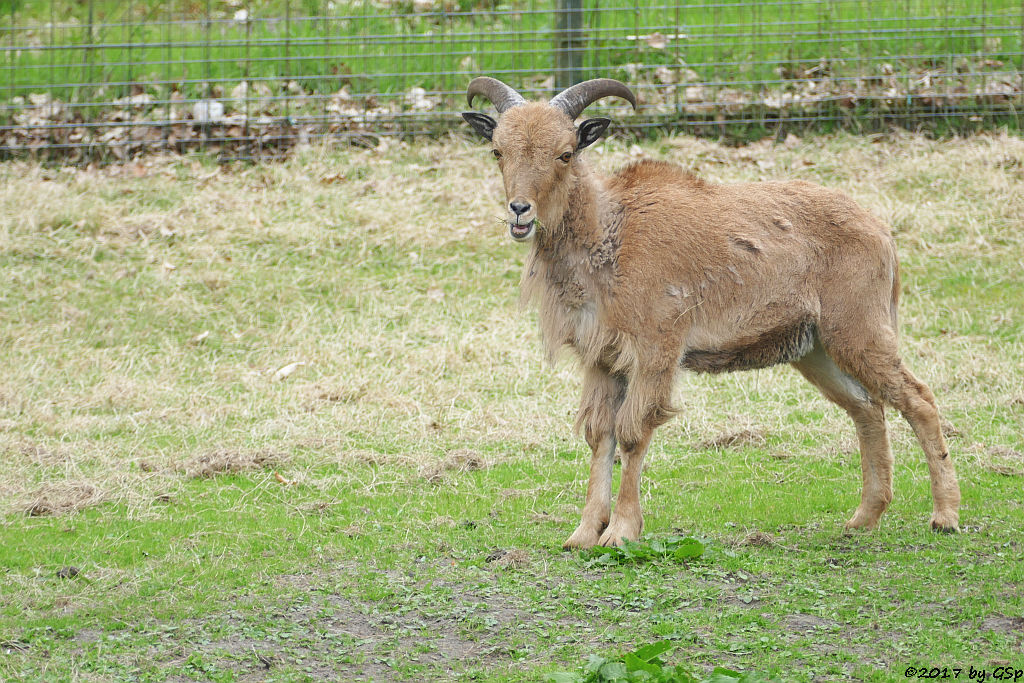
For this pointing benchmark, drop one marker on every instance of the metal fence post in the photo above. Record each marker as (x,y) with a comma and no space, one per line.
(569,43)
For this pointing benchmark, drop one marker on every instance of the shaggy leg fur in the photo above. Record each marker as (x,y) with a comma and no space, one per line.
(869,418)
(876,364)
(602,395)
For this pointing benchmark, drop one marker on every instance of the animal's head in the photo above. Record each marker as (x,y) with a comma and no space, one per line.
(536,145)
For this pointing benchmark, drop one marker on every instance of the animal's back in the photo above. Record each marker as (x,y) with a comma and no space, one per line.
(665,197)
(756,268)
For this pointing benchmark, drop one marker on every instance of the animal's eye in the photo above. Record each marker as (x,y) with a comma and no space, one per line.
(565,157)
(497,154)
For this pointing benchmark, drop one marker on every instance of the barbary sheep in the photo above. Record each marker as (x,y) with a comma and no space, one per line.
(653,269)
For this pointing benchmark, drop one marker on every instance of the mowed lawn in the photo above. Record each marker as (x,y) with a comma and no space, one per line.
(288,422)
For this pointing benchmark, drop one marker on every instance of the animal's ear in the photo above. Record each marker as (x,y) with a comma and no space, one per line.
(482,123)
(589,131)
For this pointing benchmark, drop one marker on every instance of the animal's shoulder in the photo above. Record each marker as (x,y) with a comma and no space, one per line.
(644,174)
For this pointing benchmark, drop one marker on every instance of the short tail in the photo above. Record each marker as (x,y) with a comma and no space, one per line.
(894,301)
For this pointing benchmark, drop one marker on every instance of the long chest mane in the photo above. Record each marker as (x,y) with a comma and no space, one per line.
(567,282)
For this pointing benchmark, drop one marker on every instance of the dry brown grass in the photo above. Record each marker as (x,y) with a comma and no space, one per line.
(149,307)
(61,497)
(227,461)
(454,463)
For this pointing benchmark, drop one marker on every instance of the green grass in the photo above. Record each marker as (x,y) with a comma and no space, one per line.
(394,509)
(391,48)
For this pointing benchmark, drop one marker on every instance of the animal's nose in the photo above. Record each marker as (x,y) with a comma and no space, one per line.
(519,207)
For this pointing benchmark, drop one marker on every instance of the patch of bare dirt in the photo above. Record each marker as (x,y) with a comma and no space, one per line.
(1001,624)
(739,589)
(345,639)
(932,608)
(807,623)
(87,635)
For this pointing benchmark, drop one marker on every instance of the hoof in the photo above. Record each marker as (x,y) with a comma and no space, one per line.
(863,521)
(616,533)
(583,538)
(610,541)
(946,523)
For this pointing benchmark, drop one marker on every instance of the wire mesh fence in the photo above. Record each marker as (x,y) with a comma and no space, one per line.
(112,79)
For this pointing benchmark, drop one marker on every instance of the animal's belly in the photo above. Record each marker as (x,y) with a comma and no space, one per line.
(783,344)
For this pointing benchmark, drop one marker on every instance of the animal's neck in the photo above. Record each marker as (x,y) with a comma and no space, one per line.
(581,226)
(571,263)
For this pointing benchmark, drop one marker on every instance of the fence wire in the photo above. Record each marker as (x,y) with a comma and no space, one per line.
(86,80)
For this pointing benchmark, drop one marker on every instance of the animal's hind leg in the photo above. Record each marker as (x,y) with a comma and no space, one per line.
(602,395)
(875,363)
(917,403)
(869,418)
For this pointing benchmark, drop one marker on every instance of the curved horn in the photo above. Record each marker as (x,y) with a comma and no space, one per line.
(501,96)
(580,96)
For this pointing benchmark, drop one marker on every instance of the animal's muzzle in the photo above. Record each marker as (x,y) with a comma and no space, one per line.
(521,219)
(521,231)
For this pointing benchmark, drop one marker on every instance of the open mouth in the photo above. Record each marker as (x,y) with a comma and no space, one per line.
(520,232)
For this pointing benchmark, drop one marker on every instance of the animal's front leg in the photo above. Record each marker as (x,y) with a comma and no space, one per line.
(602,395)
(628,521)
(646,406)
(597,508)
